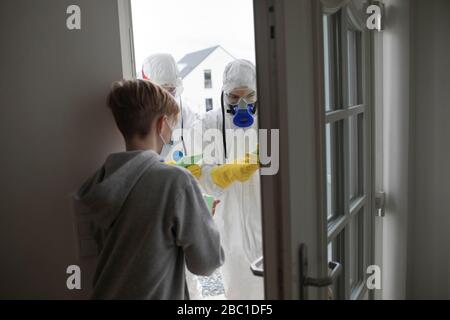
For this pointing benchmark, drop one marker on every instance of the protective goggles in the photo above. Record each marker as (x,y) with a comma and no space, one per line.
(234,100)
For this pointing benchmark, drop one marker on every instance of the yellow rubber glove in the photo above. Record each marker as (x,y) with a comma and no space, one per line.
(226,174)
(196,170)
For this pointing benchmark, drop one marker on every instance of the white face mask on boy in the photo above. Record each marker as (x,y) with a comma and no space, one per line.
(170,143)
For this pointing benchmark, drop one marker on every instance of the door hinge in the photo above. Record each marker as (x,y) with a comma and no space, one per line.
(272,21)
(272,32)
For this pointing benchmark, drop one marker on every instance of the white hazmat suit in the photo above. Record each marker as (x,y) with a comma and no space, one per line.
(238,216)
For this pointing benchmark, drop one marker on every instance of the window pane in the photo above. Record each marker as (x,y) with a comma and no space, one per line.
(329,172)
(356,154)
(331,27)
(208,79)
(354,74)
(356,264)
(209,104)
(327,46)
(334,169)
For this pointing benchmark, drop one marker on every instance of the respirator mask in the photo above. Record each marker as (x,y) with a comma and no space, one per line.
(243,109)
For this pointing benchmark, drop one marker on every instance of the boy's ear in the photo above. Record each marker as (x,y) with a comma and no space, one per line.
(159,124)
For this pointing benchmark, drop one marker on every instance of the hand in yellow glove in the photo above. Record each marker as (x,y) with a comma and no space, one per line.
(226,174)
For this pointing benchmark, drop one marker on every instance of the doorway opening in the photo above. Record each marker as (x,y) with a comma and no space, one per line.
(203,37)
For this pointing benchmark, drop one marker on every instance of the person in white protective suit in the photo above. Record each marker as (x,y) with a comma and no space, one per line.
(235,182)
(162,70)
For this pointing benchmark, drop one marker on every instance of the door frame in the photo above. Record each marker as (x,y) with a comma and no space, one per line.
(126,39)
(274,189)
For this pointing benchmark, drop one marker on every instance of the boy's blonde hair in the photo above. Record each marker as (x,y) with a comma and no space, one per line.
(135,105)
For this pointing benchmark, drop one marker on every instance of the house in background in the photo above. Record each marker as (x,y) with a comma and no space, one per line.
(202,73)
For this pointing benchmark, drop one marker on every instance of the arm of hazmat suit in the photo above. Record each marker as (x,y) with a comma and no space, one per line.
(196,232)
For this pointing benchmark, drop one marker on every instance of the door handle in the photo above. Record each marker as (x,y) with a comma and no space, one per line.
(306,281)
(335,268)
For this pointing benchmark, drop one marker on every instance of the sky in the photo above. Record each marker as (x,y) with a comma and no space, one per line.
(179,27)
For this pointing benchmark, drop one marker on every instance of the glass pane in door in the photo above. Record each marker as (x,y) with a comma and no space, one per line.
(331,27)
(334,165)
(356,156)
(354,74)
(356,265)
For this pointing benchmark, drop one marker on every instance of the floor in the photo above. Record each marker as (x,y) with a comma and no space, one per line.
(212,286)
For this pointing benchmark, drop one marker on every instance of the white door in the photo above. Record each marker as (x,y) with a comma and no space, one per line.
(314,72)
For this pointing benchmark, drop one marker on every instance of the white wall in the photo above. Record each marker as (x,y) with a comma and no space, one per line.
(429,236)
(396,126)
(55,130)
(194,84)
(416,250)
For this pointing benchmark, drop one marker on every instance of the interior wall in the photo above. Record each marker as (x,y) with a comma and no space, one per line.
(429,236)
(55,130)
(396,152)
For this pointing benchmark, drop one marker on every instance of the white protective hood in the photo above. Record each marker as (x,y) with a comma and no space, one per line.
(162,69)
(239,74)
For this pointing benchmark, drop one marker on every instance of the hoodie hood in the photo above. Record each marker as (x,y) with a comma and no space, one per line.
(100,199)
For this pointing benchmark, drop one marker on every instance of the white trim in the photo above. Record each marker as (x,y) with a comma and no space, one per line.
(378,155)
(126,39)
(333,6)
(274,189)
(355,17)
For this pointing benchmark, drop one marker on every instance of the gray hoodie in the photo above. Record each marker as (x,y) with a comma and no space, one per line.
(148,220)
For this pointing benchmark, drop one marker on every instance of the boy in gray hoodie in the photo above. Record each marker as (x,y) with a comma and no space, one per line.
(149,219)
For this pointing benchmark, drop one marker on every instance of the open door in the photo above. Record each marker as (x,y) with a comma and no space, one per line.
(314,72)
